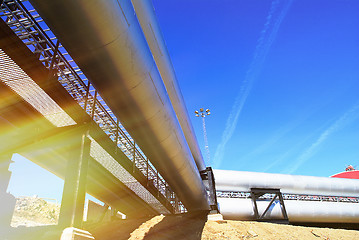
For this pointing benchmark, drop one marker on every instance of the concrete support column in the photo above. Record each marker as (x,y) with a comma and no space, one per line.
(7,200)
(5,174)
(73,198)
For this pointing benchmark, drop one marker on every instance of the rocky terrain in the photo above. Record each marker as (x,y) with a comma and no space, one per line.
(35,211)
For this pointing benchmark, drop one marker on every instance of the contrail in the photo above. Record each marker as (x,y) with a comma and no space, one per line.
(347,118)
(282,132)
(286,155)
(264,43)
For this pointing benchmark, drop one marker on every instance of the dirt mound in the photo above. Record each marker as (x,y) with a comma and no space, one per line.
(34,211)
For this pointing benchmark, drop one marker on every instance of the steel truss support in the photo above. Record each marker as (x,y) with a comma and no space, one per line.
(258,192)
(73,198)
(209,182)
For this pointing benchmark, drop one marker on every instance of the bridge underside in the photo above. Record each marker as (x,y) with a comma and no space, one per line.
(31,135)
(24,130)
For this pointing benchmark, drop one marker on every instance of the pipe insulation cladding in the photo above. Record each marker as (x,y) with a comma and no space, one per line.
(149,24)
(105,39)
(292,184)
(297,210)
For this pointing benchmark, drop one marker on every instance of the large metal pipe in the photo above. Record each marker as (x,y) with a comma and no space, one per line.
(149,24)
(106,41)
(298,211)
(291,184)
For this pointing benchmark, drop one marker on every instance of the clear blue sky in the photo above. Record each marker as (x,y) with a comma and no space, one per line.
(281,79)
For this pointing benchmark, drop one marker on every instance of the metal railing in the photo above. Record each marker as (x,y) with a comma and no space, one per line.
(28,25)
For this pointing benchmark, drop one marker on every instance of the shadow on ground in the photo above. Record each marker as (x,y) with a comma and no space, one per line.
(187,226)
(184,226)
(118,229)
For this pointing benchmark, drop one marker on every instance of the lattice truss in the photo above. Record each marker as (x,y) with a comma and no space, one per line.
(286,196)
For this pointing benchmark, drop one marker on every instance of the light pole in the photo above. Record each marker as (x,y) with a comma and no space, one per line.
(201,113)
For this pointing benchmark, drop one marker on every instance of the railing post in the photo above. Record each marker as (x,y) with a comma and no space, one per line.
(87,96)
(166,191)
(158,185)
(147,168)
(116,138)
(134,156)
(93,106)
(176,205)
(53,59)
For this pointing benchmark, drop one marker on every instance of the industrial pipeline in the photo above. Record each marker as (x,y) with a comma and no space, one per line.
(105,39)
(306,198)
(148,21)
(119,46)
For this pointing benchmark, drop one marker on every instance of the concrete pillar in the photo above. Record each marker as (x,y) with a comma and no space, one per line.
(5,174)
(6,199)
(73,198)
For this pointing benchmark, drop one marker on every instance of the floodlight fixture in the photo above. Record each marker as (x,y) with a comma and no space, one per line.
(203,114)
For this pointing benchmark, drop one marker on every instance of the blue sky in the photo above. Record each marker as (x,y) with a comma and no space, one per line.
(281,79)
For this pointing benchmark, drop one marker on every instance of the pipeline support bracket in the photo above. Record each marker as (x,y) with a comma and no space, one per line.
(258,192)
(209,182)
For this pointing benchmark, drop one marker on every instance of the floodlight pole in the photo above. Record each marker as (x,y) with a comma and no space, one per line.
(201,113)
(205,139)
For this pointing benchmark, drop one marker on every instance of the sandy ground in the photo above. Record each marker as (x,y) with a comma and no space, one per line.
(188,227)
(256,230)
(197,227)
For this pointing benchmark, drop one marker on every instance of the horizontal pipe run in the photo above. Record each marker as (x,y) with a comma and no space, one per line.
(239,181)
(151,29)
(298,211)
(107,42)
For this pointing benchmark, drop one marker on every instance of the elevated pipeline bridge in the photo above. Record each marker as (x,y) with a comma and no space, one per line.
(90,95)
(53,114)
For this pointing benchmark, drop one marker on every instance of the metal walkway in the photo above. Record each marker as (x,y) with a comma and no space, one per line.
(28,25)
